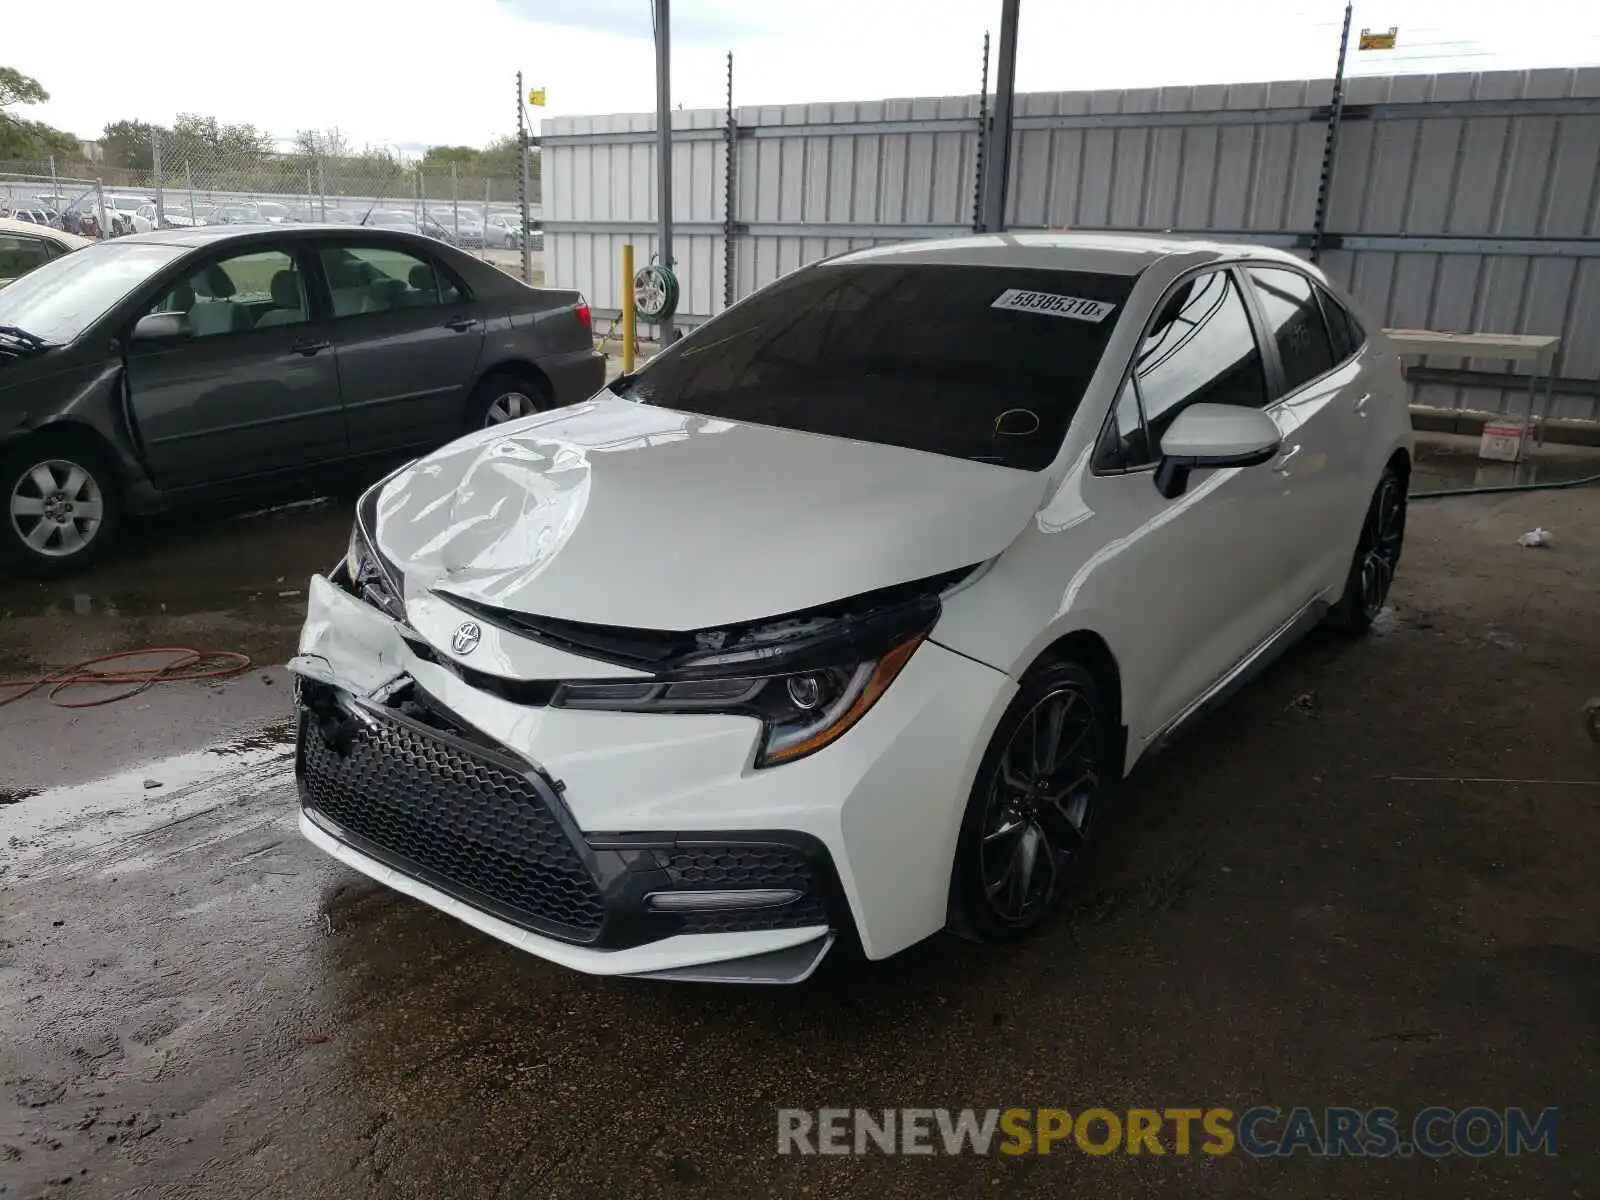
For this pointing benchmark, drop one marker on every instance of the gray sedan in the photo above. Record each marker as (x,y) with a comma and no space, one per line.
(191,365)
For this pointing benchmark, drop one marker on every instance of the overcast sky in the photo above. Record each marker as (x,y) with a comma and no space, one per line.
(410,74)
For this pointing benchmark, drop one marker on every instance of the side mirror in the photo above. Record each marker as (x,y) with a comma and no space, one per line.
(1214,435)
(161,327)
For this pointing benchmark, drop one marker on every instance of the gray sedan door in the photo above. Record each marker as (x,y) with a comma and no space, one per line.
(407,339)
(251,388)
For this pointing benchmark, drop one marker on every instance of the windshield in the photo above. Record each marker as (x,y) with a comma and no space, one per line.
(58,301)
(976,362)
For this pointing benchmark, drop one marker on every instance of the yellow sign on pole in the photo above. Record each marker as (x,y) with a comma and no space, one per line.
(1379,41)
(536,97)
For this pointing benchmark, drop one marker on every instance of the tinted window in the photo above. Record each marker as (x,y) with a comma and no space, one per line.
(1345,334)
(377,279)
(973,362)
(19,254)
(1295,320)
(1201,349)
(258,290)
(64,297)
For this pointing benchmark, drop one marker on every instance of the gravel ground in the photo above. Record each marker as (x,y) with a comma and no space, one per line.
(1372,879)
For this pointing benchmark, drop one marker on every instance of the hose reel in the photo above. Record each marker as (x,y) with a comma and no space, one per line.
(655,292)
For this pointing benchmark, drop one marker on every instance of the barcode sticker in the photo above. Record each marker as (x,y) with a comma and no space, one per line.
(1052,305)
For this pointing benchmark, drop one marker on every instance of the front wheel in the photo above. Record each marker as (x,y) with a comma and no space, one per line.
(1038,796)
(62,508)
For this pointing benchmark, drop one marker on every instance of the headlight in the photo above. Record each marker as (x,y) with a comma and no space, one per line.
(807,695)
(367,573)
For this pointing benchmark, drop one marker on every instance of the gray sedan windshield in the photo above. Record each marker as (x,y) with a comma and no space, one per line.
(58,301)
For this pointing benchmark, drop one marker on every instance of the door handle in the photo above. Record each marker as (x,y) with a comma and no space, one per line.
(461,324)
(1361,403)
(1282,465)
(308,347)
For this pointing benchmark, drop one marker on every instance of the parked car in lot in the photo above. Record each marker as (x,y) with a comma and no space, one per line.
(129,214)
(236,213)
(182,366)
(846,613)
(504,231)
(25,246)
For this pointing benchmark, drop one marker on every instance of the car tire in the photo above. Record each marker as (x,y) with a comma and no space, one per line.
(1376,559)
(505,396)
(60,483)
(1032,813)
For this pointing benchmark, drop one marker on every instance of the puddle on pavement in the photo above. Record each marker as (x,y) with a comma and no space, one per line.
(1452,467)
(120,805)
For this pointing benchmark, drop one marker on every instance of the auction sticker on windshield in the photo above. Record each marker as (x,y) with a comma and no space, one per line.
(1021,300)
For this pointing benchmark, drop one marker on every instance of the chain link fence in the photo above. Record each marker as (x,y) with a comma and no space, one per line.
(185,181)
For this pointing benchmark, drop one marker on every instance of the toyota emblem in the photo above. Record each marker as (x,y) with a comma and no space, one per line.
(466,637)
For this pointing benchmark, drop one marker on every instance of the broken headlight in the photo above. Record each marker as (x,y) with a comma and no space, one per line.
(367,573)
(807,693)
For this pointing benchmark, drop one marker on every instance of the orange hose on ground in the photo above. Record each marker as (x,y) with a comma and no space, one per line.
(186,666)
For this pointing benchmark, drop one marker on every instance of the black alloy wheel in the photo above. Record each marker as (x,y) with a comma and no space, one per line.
(1034,805)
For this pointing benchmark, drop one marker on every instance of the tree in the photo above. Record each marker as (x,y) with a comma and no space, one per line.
(323,144)
(203,141)
(19,136)
(17,88)
(131,144)
(446,156)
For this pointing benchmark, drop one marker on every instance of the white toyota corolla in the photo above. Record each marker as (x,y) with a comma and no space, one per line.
(844,616)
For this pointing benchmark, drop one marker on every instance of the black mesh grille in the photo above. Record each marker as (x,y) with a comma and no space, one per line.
(711,867)
(472,827)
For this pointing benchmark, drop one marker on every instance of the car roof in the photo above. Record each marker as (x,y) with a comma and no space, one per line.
(206,235)
(1099,253)
(7,225)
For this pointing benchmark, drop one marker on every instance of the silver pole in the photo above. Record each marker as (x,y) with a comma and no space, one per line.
(55,190)
(997,146)
(664,143)
(455,199)
(155,172)
(488,187)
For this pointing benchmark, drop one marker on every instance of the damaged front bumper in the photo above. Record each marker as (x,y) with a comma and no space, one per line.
(397,786)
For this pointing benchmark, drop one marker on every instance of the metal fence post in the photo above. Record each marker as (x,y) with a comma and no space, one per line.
(522,186)
(1330,147)
(188,178)
(155,177)
(455,199)
(100,206)
(55,190)
(488,187)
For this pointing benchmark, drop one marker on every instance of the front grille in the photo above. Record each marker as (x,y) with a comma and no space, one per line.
(718,867)
(472,826)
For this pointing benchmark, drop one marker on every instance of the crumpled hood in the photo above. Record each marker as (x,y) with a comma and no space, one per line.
(615,513)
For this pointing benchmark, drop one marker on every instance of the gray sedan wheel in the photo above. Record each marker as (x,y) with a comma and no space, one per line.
(61,504)
(506,396)
(509,406)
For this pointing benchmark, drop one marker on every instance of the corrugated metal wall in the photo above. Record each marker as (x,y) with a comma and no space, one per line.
(1459,202)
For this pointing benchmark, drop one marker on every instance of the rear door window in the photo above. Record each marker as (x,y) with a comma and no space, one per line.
(976,362)
(1294,319)
(1344,332)
(379,279)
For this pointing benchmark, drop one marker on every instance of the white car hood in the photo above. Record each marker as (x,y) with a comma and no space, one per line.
(615,513)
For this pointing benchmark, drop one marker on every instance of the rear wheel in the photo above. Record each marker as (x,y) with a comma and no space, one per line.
(62,508)
(1377,557)
(506,396)
(1034,806)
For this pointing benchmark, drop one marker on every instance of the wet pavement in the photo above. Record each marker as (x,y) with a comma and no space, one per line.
(1372,879)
